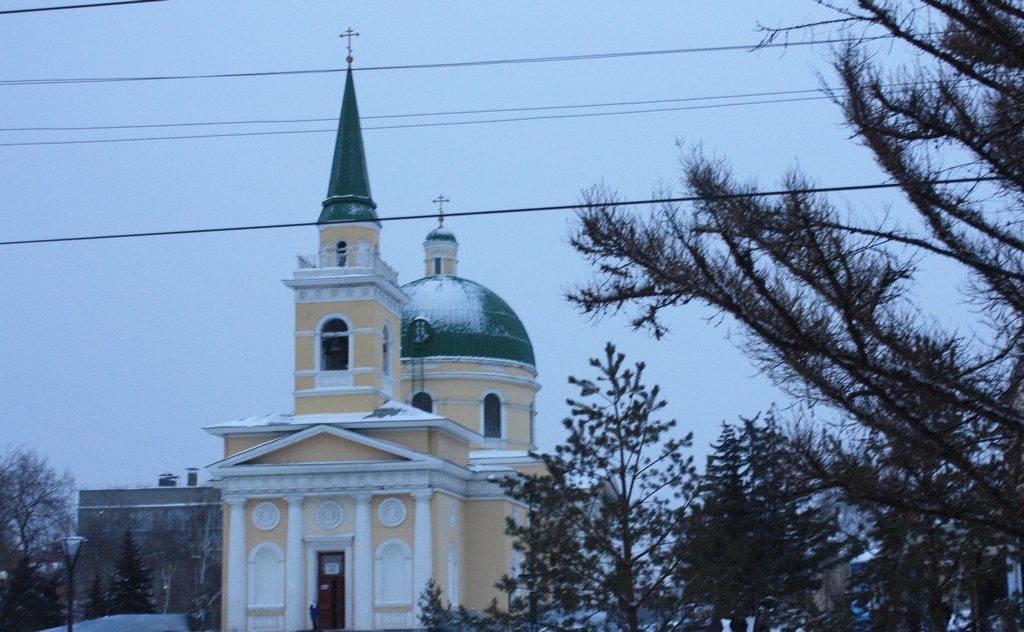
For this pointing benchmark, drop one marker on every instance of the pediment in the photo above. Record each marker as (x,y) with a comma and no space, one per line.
(325,448)
(323,444)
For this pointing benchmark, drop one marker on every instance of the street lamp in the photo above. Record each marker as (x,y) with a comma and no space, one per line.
(71,545)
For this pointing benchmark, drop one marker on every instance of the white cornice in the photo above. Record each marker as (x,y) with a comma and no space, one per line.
(442,424)
(342,390)
(342,288)
(479,359)
(317,479)
(475,376)
(368,225)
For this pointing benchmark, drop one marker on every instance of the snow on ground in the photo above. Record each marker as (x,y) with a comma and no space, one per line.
(130,623)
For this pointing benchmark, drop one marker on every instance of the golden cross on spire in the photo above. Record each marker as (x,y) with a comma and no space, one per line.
(440,200)
(349,34)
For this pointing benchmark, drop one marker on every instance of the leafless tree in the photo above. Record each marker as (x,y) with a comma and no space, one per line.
(35,503)
(925,414)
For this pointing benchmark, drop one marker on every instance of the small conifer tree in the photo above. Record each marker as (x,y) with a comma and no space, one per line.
(130,590)
(601,542)
(96,601)
(751,550)
(30,601)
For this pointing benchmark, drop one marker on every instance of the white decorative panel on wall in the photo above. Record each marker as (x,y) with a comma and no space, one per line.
(393,573)
(391,620)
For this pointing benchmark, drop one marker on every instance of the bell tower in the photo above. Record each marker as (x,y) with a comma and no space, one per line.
(347,300)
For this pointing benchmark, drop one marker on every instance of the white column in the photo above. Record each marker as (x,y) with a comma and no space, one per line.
(295,603)
(236,563)
(362,565)
(423,540)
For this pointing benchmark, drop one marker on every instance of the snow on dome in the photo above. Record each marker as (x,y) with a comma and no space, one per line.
(440,234)
(466,320)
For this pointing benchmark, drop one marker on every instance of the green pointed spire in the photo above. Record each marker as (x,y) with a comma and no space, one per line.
(348,193)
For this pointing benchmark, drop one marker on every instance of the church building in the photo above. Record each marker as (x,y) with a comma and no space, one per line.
(412,402)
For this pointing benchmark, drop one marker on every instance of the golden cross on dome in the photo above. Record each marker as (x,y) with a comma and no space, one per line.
(440,200)
(349,34)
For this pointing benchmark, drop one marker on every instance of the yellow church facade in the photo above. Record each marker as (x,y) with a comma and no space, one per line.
(412,402)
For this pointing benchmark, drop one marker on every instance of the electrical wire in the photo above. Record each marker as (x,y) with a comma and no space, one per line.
(412,125)
(462,64)
(77,6)
(414,115)
(533,209)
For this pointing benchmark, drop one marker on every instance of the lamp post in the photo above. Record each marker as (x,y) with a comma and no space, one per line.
(71,545)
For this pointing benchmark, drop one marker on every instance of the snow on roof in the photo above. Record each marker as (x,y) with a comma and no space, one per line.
(481,455)
(466,319)
(455,300)
(389,411)
(499,460)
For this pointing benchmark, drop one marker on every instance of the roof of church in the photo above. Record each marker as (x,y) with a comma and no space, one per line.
(391,410)
(466,321)
(348,192)
(441,234)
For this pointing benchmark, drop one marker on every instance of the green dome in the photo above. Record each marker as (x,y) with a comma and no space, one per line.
(440,234)
(465,320)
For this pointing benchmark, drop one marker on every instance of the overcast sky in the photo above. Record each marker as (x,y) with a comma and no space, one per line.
(115,354)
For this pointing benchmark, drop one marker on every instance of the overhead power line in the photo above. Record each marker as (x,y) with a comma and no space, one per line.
(412,125)
(540,108)
(533,209)
(77,6)
(459,64)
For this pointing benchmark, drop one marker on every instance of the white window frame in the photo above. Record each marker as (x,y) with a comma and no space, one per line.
(378,574)
(386,343)
(502,417)
(250,596)
(318,342)
(453,574)
(340,255)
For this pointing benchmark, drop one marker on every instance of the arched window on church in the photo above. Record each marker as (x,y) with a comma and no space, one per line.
(437,265)
(340,253)
(423,401)
(492,416)
(386,350)
(334,346)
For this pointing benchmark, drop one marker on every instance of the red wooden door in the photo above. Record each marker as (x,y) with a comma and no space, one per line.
(331,591)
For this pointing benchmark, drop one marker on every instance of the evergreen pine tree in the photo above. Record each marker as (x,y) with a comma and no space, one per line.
(602,536)
(718,531)
(922,569)
(432,609)
(96,602)
(130,590)
(30,601)
(751,551)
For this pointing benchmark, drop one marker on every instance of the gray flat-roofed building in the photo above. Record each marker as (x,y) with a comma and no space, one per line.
(179,535)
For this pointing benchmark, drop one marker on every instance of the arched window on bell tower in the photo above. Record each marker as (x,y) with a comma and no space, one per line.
(334,346)
(340,253)
(386,348)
